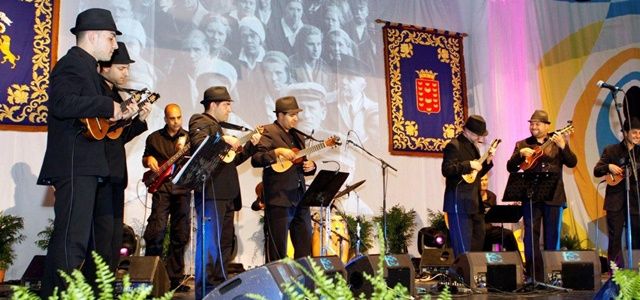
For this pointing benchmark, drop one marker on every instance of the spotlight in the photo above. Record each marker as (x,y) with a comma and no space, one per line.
(129,241)
(431,237)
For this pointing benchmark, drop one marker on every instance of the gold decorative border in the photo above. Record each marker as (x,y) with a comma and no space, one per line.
(404,136)
(29,99)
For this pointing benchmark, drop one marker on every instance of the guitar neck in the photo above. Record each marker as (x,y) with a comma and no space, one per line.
(245,138)
(309,150)
(175,157)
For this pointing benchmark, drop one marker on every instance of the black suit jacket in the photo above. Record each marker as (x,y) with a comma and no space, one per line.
(551,161)
(116,156)
(223,183)
(75,93)
(280,189)
(458,154)
(615,196)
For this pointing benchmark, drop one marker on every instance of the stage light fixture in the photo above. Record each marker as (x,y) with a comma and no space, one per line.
(129,241)
(431,238)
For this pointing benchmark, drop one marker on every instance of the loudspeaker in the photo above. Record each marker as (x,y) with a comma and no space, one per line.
(32,277)
(578,270)
(266,280)
(397,269)
(493,270)
(435,261)
(143,271)
(331,265)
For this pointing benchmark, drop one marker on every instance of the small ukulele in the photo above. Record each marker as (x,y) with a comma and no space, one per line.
(283,164)
(471,177)
(538,151)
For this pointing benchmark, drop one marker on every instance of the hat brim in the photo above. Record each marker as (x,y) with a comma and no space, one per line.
(295,110)
(217,100)
(541,121)
(75,31)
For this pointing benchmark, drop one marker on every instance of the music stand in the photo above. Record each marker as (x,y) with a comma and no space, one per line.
(321,193)
(532,187)
(193,175)
(503,214)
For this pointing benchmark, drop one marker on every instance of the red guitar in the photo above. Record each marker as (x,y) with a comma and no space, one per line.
(153,180)
(538,151)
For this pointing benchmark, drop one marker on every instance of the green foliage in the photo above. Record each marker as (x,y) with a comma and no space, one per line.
(571,243)
(400,228)
(10,227)
(45,236)
(366,228)
(436,220)
(78,288)
(628,281)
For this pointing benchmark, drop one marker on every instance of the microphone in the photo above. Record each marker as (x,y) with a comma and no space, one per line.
(305,135)
(601,84)
(233,126)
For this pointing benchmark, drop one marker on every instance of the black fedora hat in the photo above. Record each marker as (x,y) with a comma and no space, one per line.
(121,55)
(635,124)
(477,125)
(287,104)
(216,94)
(95,19)
(540,116)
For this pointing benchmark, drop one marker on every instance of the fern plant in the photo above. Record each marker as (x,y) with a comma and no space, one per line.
(366,234)
(628,280)
(10,227)
(401,226)
(78,288)
(45,236)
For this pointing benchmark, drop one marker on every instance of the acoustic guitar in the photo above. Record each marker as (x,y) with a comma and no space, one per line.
(283,164)
(471,177)
(538,151)
(97,127)
(153,180)
(231,155)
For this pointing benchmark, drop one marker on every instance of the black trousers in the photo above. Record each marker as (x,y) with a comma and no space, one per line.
(108,220)
(73,231)
(282,221)
(166,205)
(616,221)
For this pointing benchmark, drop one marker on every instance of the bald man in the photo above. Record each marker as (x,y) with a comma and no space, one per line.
(168,200)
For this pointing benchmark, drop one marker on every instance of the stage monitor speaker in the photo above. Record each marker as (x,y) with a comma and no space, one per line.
(143,271)
(266,280)
(435,261)
(578,270)
(32,277)
(501,271)
(397,269)
(331,265)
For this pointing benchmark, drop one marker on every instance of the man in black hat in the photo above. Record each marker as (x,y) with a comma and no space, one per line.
(109,209)
(556,155)
(74,164)
(612,163)
(222,193)
(462,200)
(283,191)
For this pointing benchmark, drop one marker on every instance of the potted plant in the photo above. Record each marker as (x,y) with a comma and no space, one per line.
(10,227)
(45,236)
(366,234)
(401,224)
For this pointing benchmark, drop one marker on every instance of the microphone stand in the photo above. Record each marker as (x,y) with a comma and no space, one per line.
(383,165)
(627,180)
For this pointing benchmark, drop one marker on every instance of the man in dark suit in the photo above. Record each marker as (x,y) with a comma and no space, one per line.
(614,159)
(222,194)
(462,201)
(109,210)
(74,164)
(283,191)
(554,157)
